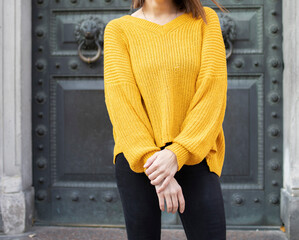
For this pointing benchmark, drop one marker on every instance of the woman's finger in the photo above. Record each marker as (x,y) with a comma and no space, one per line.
(165,183)
(181,201)
(150,160)
(168,202)
(174,199)
(151,169)
(152,176)
(157,181)
(161,202)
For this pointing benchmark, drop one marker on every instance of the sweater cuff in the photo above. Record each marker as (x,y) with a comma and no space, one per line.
(182,154)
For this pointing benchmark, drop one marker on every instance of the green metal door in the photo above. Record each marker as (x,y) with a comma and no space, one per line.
(72,134)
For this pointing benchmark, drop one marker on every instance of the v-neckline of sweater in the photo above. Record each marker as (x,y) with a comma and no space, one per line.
(155,27)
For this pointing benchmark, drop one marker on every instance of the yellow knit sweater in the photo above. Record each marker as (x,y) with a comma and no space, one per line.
(166,83)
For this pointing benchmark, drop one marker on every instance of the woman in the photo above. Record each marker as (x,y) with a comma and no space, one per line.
(165,82)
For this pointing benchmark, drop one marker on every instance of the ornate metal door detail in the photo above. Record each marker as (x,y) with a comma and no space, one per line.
(228,27)
(89,33)
(72,134)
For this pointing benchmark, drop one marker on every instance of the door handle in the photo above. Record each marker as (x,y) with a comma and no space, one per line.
(89,35)
(89,59)
(228,28)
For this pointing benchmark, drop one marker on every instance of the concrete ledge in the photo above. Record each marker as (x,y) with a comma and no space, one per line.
(80,233)
(289,212)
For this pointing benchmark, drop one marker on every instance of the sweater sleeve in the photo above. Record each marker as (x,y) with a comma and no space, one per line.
(131,125)
(206,111)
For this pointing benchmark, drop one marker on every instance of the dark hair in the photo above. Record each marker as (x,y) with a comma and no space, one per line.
(193,6)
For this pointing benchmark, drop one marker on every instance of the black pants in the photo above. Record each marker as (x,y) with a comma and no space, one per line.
(204,215)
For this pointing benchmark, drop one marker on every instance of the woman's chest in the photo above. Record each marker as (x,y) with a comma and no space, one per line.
(165,57)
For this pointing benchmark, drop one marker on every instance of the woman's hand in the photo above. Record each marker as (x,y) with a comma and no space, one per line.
(161,167)
(173,196)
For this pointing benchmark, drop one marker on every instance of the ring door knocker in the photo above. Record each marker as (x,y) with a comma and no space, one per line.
(89,35)
(228,27)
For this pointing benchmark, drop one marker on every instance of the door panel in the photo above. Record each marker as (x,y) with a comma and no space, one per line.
(72,134)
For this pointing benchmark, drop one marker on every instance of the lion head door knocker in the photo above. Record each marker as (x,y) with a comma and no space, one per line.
(228,27)
(89,35)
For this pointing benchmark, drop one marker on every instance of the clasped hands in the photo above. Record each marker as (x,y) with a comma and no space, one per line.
(161,168)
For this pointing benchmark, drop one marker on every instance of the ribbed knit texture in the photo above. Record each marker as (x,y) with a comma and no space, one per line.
(166,83)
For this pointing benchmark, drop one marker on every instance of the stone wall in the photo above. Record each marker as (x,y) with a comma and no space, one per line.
(16,191)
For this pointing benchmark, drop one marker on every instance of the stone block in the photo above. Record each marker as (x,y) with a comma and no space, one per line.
(17,211)
(289,212)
